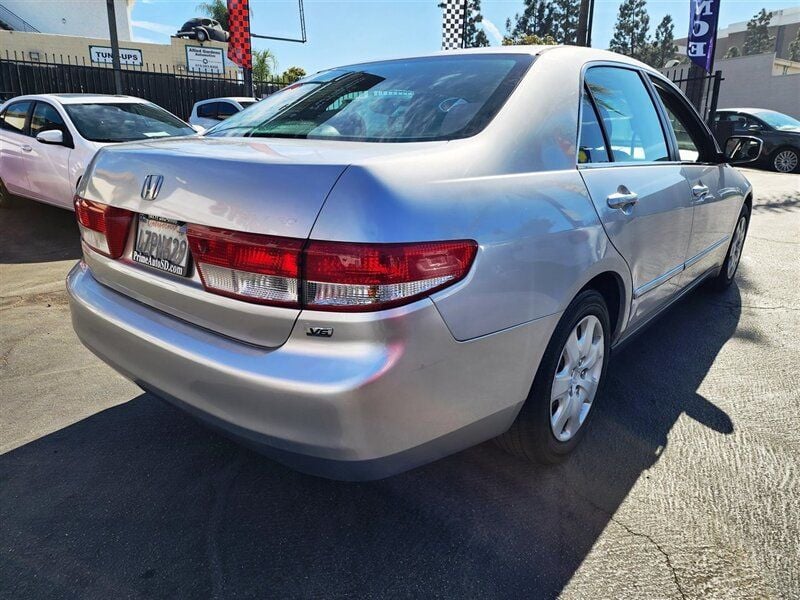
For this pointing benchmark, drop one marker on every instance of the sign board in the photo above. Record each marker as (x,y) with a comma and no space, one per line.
(127,56)
(204,59)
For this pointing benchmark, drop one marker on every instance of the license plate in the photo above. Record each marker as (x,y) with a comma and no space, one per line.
(161,244)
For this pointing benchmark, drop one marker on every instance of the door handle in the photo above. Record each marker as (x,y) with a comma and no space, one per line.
(26,148)
(700,191)
(622,198)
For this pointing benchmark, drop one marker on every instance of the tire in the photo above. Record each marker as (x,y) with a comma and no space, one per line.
(727,273)
(6,199)
(785,160)
(532,436)
(202,36)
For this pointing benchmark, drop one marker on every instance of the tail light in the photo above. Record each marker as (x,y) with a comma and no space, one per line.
(257,268)
(324,275)
(104,228)
(356,277)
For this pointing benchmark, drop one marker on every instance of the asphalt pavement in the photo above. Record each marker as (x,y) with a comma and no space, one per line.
(687,485)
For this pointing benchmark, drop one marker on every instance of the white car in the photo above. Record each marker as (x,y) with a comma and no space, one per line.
(208,113)
(47,140)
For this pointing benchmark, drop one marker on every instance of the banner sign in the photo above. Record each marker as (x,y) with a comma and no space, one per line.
(239,50)
(205,59)
(453,12)
(702,39)
(127,56)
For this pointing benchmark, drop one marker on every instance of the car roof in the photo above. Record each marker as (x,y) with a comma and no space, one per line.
(234,98)
(80,98)
(752,111)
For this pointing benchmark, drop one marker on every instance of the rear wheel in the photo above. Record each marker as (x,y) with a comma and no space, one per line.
(202,36)
(556,413)
(731,264)
(786,160)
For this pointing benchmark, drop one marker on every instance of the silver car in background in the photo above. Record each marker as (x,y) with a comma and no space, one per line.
(389,262)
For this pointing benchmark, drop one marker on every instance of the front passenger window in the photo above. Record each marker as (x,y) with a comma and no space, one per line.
(628,115)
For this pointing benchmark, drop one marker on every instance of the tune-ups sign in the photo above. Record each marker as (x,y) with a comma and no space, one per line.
(703,32)
(127,56)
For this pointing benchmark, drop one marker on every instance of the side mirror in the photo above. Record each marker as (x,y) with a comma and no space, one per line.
(742,149)
(51,136)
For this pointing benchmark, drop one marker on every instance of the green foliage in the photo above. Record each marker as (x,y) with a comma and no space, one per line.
(631,36)
(794,48)
(545,21)
(662,48)
(264,64)
(217,10)
(293,74)
(475,36)
(733,52)
(530,39)
(757,39)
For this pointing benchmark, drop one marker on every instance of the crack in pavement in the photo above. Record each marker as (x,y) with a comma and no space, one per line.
(658,547)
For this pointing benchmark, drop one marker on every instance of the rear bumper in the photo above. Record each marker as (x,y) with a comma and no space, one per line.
(389,391)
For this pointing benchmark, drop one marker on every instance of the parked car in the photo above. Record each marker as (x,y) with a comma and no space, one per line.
(412,257)
(780,132)
(208,113)
(47,140)
(202,30)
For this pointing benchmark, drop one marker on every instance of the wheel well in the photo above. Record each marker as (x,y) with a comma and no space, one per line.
(610,286)
(748,201)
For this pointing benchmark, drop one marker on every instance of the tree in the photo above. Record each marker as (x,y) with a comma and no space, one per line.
(757,39)
(536,20)
(530,40)
(630,31)
(794,48)
(565,21)
(663,47)
(217,10)
(264,64)
(733,52)
(475,36)
(293,74)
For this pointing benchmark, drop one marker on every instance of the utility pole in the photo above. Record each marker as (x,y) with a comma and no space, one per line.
(585,18)
(112,31)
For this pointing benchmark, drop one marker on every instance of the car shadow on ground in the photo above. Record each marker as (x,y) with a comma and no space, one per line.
(142,500)
(32,232)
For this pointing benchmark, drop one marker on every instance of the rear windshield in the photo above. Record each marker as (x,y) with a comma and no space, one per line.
(124,121)
(434,98)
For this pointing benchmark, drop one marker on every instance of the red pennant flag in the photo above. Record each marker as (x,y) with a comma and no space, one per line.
(239,50)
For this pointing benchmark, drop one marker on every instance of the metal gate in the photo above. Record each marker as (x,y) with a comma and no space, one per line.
(701,88)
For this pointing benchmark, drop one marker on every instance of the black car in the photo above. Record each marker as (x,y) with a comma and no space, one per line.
(780,132)
(203,30)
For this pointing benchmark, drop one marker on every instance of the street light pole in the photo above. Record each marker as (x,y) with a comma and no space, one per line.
(585,18)
(112,31)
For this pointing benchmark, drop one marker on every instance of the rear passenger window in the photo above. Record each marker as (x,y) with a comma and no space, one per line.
(14,117)
(208,111)
(592,146)
(628,115)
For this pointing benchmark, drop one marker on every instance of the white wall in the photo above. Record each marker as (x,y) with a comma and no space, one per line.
(749,83)
(85,18)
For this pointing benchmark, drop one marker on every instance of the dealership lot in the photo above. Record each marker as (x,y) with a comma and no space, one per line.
(688,484)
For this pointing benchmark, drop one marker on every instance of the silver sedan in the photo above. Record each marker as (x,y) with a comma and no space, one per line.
(389,262)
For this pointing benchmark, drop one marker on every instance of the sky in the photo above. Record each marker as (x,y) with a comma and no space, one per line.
(353,31)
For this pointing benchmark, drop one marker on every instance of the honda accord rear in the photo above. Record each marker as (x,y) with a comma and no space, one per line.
(366,271)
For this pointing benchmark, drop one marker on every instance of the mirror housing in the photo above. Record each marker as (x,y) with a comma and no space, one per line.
(51,136)
(742,149)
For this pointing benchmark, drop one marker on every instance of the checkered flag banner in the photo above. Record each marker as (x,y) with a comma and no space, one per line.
(453,23)
(239,50)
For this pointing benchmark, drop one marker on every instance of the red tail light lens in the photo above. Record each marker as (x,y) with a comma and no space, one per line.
(104,228)
(257,268)
(357,277)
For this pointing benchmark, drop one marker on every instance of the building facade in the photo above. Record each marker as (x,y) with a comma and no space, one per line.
(83,18)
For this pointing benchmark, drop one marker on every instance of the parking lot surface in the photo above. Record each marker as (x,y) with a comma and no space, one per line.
(687,485)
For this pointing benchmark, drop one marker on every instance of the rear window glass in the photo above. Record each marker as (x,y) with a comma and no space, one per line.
(433,98)
(13,118)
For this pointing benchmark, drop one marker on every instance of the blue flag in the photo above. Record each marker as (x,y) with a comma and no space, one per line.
(702,39)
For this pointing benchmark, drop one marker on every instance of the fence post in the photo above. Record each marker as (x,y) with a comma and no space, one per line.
(712,109)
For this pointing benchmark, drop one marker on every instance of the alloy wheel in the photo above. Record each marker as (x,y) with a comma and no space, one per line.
(735,253)
(785,161)
(577,378)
